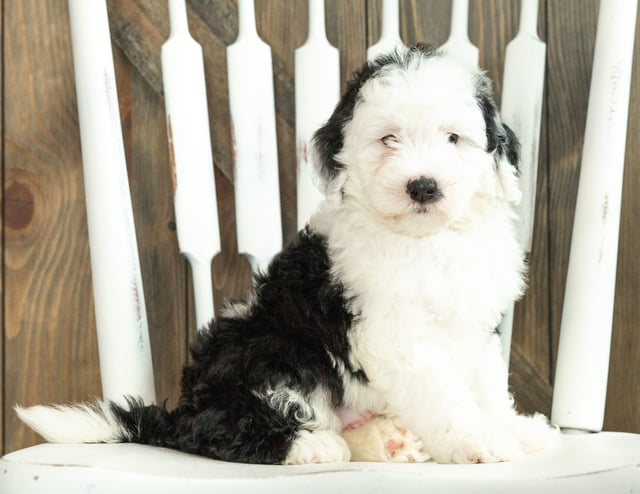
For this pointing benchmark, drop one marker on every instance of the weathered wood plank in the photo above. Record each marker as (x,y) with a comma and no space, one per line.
(2,222)
(347,31)
(163,269)
(50,344)
(530,387)
(424,22)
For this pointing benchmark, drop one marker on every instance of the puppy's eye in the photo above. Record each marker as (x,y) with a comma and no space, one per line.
(452,138)
(389,139)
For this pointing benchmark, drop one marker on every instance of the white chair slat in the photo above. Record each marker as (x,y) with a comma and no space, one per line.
(458,45)
(187,116)
(390,31)
(524,70)
(121,317)
(317,90)
(252,107)
(585,333)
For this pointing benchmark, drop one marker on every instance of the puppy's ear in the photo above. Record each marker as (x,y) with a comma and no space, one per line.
(502,142)
(328,140)
(326,144)
(507,156)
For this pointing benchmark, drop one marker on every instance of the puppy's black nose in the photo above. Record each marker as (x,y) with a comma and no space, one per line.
(423,190)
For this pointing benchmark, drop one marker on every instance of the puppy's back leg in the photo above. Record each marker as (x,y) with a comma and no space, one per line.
(318,438)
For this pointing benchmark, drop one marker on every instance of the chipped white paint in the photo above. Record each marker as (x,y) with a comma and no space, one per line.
(121,319)
(251,101)
(522,91)
(458,45)
(585,334)
(191,159)
(390,31)
(317,86)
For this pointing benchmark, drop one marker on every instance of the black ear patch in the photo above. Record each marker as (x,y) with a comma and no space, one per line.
(512,146)
(501,140)
(329,139)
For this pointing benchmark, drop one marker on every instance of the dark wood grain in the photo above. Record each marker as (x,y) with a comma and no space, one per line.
(530,387)
(2,222)
(346,30)
(424,22)
(50,343)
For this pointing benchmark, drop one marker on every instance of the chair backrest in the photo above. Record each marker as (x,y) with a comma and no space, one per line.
(578,403)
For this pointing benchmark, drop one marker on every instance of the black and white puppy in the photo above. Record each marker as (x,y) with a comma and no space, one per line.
(384,307)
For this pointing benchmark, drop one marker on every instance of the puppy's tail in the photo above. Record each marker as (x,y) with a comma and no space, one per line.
(100,422)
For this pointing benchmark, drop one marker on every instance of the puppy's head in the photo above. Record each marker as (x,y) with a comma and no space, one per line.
(417,142)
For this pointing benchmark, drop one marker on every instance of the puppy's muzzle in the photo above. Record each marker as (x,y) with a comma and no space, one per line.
(423,190)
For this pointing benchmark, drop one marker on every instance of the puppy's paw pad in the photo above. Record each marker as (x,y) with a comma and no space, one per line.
(324,446)
(381,439)
(403,447)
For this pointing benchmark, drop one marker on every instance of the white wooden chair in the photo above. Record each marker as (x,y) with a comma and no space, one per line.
(584,461)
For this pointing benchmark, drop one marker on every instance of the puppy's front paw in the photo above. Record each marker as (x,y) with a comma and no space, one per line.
(534,432)
(479,444)
(381,439)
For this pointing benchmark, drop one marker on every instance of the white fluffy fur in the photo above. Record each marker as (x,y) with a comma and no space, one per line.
(74,423)
(321,446)
(429,285)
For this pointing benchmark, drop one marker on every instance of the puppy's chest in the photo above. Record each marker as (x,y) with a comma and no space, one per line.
(455,283)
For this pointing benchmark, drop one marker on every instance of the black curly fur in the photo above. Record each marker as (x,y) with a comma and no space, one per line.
(295,333)
(501,140)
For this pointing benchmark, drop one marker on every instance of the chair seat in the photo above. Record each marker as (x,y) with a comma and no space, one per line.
(604,462)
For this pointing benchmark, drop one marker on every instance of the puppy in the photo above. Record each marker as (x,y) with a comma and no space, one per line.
(382,312)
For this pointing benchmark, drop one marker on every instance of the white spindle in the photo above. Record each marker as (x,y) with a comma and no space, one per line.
(317,86)
(585,335)
(458,45)
(191,160)
(390,32)
(524,69)
(251,101)
(121,319)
